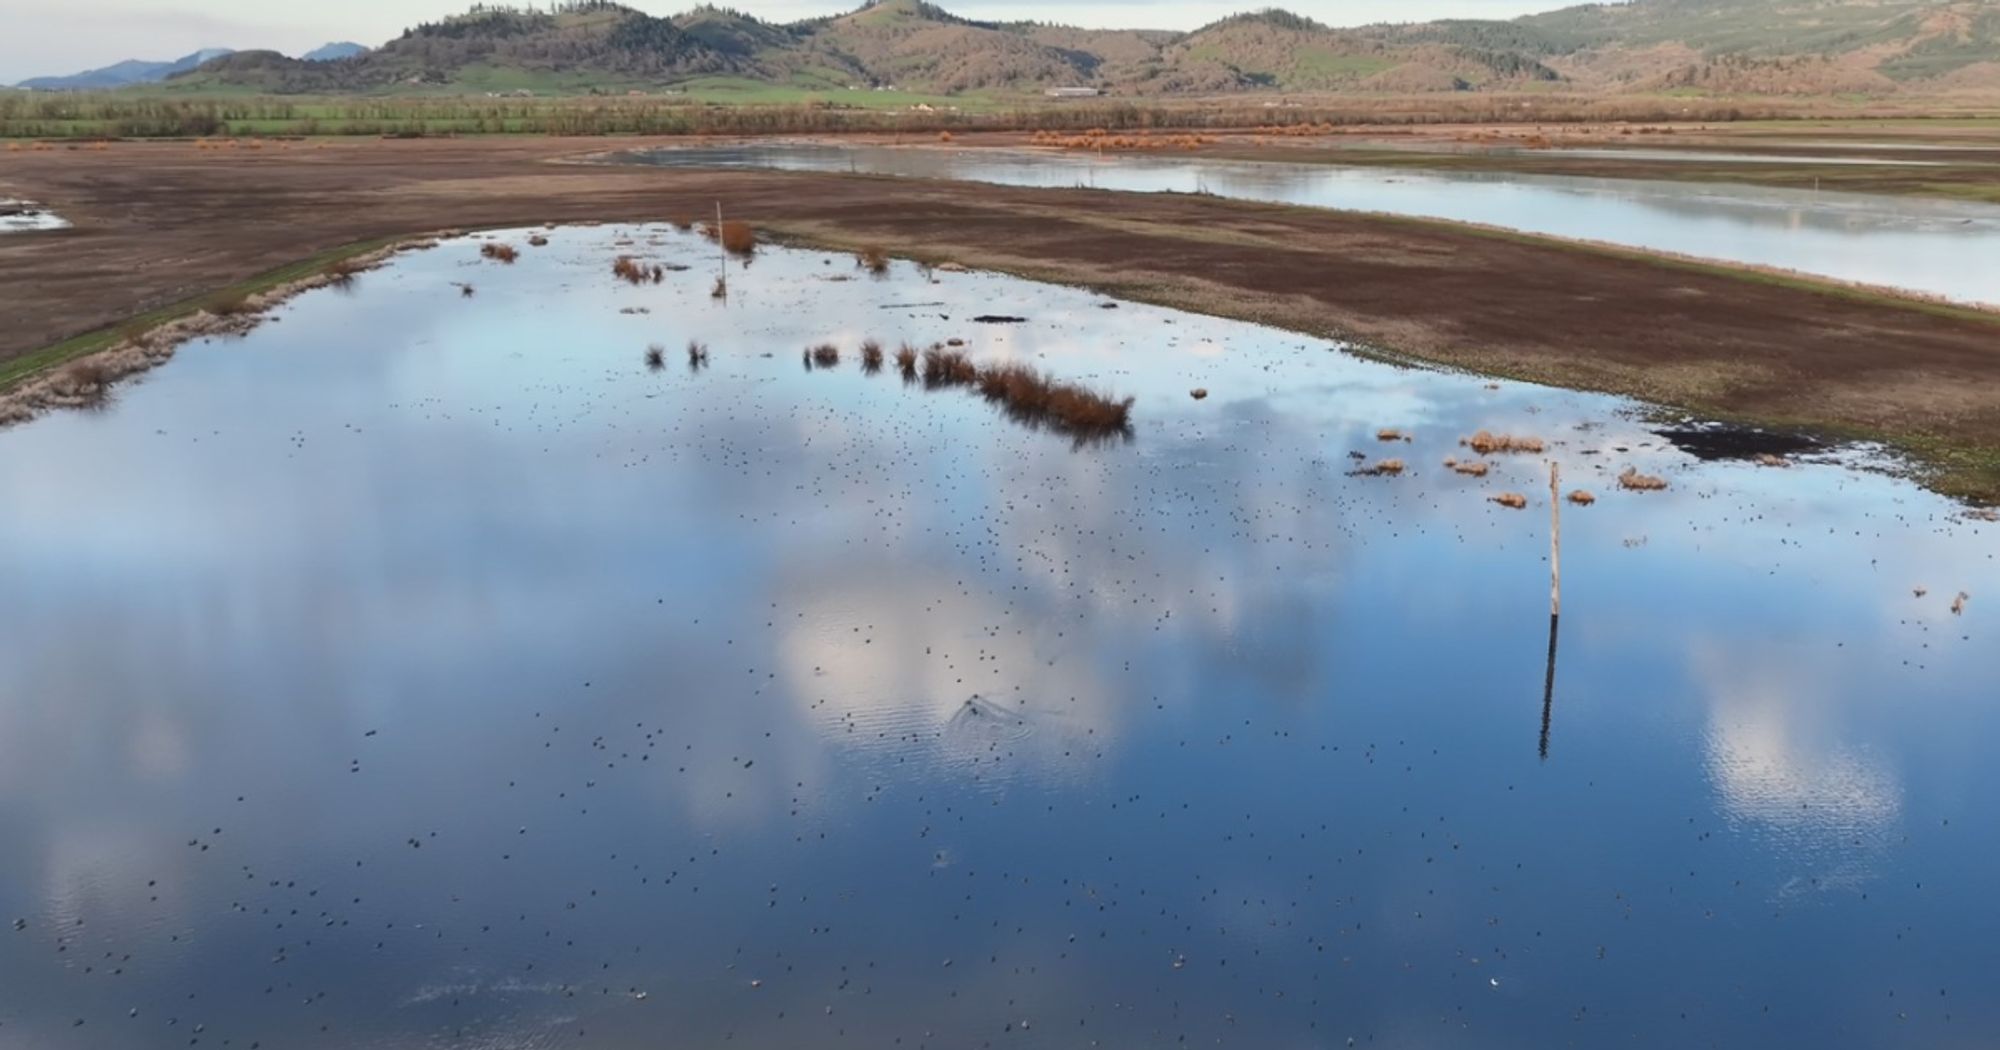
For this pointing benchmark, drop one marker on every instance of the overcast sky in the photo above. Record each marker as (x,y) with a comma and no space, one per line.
(41,37)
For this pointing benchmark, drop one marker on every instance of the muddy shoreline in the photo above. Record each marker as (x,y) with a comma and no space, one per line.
(156,225)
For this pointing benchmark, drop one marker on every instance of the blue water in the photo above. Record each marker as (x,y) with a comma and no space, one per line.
(424,670)
(1948,249)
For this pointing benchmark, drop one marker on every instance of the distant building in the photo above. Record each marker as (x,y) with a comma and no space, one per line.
(1073,92)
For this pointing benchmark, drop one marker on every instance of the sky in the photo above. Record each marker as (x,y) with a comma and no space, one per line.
(46,37)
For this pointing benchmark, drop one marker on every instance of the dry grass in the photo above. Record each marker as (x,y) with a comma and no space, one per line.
(1487,443)
(1385,468)
(632,271)
(1391,434)
(1582,498)
(656,357)
(944,136)
(906,361)
(721,289)
(826,355)
(1039,400)
(238,305)
(871,356)
(466,291)
(342,274)
(87,382)
(1958,603)
(697,353)
(944,367)
(1637,482)
(1470,468)
(1511,500)
(1769,460)
(505,253)
(874,259)
(736,238)
(538,241)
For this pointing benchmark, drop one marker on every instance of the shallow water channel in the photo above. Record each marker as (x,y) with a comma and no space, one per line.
(425,670)
(1943,248)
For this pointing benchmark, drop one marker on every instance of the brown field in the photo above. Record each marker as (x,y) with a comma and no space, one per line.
(160,224)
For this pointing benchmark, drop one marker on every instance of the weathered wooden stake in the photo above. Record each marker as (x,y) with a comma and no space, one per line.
(721,251)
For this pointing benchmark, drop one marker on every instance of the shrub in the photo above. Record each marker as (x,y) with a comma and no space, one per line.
(1486,443)
(1638,482)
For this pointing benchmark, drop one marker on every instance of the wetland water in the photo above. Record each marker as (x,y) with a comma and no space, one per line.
(1943,248)
(23,216)
(424,670)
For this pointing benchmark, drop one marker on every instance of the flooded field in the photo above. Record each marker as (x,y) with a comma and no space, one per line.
(1943,248)
(458,660)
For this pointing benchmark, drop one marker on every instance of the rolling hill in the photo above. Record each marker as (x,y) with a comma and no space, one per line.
(123,74)
(1722,46)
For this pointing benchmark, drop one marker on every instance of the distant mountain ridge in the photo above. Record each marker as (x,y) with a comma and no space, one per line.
(131,71)
(334,52)
(1721,46)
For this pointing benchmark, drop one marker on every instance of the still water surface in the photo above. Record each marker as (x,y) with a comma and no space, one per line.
(425,671)
(1943,248)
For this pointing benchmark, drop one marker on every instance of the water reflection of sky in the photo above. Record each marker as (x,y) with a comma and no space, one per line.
(786,708)
(1944,248)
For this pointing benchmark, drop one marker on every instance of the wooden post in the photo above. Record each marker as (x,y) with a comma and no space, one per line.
(1555,540)
(721,251)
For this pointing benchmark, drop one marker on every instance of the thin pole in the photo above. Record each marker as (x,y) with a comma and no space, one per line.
(1555,601)
(721,251)
(1555,540)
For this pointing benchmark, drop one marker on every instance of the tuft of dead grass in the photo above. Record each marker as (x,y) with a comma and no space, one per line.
(1487,443)
(871,356)
(630,270)
(874,259)
(1035,399)
(906,361)
(826,355)
(1392,434)
(944,367)
(721,289)
(1511,500)
(1471,468)
(1958,603)
(1582,498)
(1633,480)
(735,236)
(697,353)
(1769,460)
(504,253)
(656,357)
(1384,468)
(1199,393)
(538,241)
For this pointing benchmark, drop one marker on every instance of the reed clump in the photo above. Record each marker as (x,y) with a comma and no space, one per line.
(871,356)
(1637,482)
(826,355)
(944,367)
(656,357)
(721,289)
(874,259)
(630,270)
(906,361)
(1582,498)
(697,353)
(341,274)
(1384,468)
(1392,434)
(735,236)
(1487,443)
(1039,400)
(87,382)
(504,253)
(1958,603)
(239,305)
(1512,500)
(1471,468)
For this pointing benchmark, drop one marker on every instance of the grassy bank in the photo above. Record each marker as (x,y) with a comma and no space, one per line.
(21,368)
